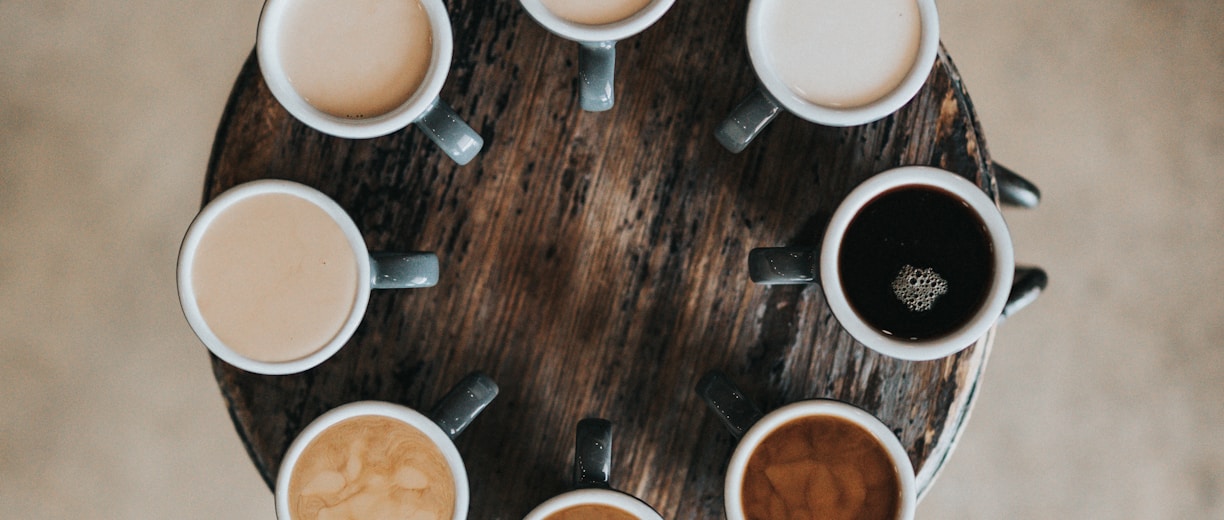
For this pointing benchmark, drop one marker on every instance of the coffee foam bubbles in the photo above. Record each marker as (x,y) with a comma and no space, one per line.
(918,288)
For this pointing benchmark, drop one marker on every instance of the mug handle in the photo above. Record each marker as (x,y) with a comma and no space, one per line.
(447,130)
(1015,190)
(403,270)
(784,265)
(747,120)
(1026,287)
(596,75)
(463,403)
(735,410)
(593,454)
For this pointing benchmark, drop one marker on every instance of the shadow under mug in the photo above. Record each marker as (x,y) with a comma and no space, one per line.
(424,108)
(449,417)
(592,473)
(773,94)
(752,428)
(794,265)
(597,46)
(373,271)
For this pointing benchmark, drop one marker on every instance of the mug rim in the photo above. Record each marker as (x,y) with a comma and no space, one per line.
(615,31)
(271,17)
(928,47)
(609,497)
(996,297)
(399,412)
(186,262)
(757,433)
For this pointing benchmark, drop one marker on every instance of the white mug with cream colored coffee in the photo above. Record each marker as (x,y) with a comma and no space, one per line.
(364,68)
(375,459)
(833,62)
(274,276)
(596,25)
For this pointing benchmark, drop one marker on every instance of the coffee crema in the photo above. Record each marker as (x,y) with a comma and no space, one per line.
(356,58)
(595,12)
(274,277)
(592,512)
(838,53)
(820,467)
(371,466)
(916,263)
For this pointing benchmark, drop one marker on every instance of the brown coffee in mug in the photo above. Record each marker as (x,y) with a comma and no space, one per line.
(823,467)
(592,512)
(371,466)
(916,263)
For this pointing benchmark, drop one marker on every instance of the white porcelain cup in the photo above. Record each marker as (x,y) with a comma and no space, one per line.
(597,49)
(751,428)
(453,413)
(592,473)
(748,119)
(373,271)
(797,265)
(424,108)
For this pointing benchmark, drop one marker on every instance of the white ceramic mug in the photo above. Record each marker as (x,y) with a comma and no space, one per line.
(592,473)
(373,271)
(453,413)
(748,119)
(597,46)
(423,107)
(751,428)
(793,265)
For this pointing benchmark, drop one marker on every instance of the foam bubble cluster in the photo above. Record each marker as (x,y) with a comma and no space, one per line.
(919,288)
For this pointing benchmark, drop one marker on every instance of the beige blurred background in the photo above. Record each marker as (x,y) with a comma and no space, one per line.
(1104,400)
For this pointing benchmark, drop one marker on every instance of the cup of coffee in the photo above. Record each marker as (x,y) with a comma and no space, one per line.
(596,26)
(833,62)
(811,459)
(592,498)
(916,263)
(374,459)
(274,277)
(363,68)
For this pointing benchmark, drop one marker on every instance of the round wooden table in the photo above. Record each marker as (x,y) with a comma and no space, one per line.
(594,264)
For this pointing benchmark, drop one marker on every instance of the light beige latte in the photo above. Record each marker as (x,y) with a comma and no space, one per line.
(274,277)
(356,58)
(595,12)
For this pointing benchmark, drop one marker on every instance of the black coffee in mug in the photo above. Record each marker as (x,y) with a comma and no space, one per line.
(916,263)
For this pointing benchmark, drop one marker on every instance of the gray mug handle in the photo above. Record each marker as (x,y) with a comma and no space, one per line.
(784,265)
(593,454)
(1015,190)
(403,270)
(1026,287)
(747,120)
(735,410)
(596,75)
(463,403)
(447,130)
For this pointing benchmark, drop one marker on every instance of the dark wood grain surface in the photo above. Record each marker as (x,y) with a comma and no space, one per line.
(594,264)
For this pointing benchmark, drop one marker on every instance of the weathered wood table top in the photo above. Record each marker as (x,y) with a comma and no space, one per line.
(594,264)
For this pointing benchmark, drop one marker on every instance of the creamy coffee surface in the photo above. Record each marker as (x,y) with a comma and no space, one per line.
(274,277)
(369,467)
(841,53)
(594,12)
(820,467)
(356,58)
(592,512)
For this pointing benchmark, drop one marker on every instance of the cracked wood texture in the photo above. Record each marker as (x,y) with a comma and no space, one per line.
(594,264)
